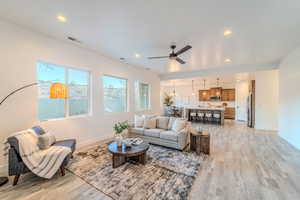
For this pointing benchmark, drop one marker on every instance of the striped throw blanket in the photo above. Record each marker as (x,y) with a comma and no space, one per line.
(43,163)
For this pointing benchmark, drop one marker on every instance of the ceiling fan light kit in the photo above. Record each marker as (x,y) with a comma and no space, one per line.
(174,55)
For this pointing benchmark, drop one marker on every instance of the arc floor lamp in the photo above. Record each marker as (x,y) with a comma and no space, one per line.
(57,91)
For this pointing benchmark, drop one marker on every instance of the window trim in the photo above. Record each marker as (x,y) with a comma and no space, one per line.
(67,109)
(127,94)
(149,95)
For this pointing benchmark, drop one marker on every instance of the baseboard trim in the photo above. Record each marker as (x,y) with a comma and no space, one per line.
(93,141)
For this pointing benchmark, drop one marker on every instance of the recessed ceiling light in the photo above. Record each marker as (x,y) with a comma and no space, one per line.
(227,32)
(137,55)
(227,60)
(61,18)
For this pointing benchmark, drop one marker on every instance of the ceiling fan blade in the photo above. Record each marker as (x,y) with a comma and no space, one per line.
(158,57)
(180,61)
(184,49)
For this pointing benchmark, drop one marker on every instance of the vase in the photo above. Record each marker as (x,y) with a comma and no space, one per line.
(119,139)
(124,133)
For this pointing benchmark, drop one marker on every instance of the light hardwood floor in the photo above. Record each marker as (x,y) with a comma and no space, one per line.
(244,164)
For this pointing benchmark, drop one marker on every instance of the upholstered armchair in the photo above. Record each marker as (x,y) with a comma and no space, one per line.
(16,166)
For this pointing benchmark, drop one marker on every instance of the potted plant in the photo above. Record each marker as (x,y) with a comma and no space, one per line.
(119,129)
(168,102)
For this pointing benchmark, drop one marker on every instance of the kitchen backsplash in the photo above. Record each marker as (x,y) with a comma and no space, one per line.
(187,101)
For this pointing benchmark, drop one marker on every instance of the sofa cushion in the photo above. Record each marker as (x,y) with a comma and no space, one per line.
(178,125)
(162,122)
(138,121)
(171,121)
(139,131)
(169,135)
(150,123)
(149,116)
(38,130)
(153,132)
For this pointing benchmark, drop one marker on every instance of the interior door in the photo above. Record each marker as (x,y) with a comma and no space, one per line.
(242,91)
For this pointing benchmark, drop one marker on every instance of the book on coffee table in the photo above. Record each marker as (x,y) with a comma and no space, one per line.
(132,141)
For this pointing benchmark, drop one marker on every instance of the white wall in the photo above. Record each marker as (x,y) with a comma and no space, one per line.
(20,50)
(289,98)
(266,100)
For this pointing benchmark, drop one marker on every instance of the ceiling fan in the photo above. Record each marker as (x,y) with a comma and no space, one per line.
(173,55)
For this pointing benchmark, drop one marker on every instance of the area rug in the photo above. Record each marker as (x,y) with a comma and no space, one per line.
(168,174)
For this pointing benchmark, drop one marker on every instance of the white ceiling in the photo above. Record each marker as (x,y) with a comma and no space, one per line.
(263,30)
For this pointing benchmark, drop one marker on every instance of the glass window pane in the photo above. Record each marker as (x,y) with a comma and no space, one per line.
(49,108)
(142,95)
(78,92)
(115,94)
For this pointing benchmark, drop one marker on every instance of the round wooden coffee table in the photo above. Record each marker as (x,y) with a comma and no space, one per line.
(120,155)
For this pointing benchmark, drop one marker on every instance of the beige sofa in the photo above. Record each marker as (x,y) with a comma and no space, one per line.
(163,132)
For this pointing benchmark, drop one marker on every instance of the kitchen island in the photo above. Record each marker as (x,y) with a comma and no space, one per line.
(213,110)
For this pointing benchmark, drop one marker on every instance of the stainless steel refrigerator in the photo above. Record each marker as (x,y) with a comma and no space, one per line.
(251,107)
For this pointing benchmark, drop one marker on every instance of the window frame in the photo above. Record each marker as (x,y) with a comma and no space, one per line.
(67,104)
(127,94)
(137,95)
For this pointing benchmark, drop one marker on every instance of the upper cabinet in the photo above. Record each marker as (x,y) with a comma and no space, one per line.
(204,95)
(217,94)
(228,95)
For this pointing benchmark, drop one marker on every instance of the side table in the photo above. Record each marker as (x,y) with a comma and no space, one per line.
(200,143)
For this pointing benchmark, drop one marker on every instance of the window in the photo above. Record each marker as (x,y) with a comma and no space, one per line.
(115,94)
(142,95)
(78,87)
(78,92)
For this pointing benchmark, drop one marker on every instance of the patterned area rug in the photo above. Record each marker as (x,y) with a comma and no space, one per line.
(168,174)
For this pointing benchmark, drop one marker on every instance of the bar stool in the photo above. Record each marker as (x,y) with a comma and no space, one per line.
(217,117)
(193,116)
(200,116)
(208,116)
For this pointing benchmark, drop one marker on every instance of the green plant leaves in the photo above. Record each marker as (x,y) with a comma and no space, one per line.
(120,127)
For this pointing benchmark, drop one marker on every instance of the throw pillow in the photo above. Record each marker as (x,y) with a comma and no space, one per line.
(150,122)
(149,116)
(178,125)
(46,140)
(162,122)
(138,121)
(38,130)
(171,122)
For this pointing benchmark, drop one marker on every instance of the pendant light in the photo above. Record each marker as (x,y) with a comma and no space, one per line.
(218,82)
(193,92)
(218,92)
(174,91)
(204,93)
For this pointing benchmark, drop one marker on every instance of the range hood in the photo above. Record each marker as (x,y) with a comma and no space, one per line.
(215,98)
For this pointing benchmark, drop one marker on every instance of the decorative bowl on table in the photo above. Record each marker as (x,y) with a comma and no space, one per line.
(132,141)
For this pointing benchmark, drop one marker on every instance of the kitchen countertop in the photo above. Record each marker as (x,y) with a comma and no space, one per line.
(204,108)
